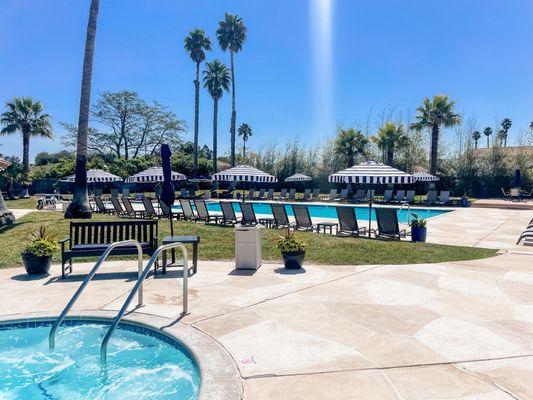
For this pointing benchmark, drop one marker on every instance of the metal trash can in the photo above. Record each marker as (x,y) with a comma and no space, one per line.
(248,247)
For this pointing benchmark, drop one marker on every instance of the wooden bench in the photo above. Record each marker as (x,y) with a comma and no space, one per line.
(91,239)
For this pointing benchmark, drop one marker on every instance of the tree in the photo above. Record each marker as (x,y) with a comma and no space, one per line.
(390,137)
(216,80)
(487,132)
(231,34)
(133,127)
(26,116)
(504,131)
(6,216)
(80,207)
(350,143)
(245,131)
(196,44)
(434,114)
(476,135)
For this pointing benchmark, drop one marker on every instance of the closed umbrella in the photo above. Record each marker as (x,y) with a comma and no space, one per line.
(373,173)
(517,179)
(243,173)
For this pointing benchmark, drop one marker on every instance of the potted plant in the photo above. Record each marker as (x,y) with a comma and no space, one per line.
(37,255)
(418,229)
(292,250)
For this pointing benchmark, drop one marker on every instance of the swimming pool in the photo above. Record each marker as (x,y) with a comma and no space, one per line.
(328,211)
(142,363)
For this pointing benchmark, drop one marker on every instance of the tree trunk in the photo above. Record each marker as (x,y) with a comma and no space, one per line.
(233,111)
(434,149)
(244,150)
(390,156)
(215,127)
(80,207)
(488,145)
(6,216)
(475,142)
(196,117)
(25,155)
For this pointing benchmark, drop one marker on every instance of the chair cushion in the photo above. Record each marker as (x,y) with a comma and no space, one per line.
(103,247)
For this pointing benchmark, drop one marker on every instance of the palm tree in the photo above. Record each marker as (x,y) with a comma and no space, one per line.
(6,215)
(80,207)
(245,131)
(231,34)
(350,143)
(26,116)
(487,132)
(476,135)
(216,80)
(434,114)
(196,44)
(504,132)
(390,137)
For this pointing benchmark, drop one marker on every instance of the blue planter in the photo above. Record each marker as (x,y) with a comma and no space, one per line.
(418,234)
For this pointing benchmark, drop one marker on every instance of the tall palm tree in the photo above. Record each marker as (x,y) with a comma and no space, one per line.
(476,135)
(487,132)
(80,207)
(231,34)
(434,114)
(196,44)
(26,116)
(350,143)
(505,126)
(245,131)
(216,80)
(390,137)
(6,216)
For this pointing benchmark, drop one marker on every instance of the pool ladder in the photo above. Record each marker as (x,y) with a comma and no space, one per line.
(408,207)
(137,289)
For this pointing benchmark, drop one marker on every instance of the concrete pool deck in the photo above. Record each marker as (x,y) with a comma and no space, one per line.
(461,330)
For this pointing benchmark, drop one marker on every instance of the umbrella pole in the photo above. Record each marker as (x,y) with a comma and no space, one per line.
(370,212)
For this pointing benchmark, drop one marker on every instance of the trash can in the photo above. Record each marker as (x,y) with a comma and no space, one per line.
(247,247)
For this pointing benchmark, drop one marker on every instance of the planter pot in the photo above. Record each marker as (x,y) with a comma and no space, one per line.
(36,265)
(293,259)
(418,234)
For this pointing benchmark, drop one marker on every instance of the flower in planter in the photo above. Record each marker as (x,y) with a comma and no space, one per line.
(42,243)
(289,242)
(417,222)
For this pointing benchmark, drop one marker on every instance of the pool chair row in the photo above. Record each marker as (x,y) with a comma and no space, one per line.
(443,198)
(401,196)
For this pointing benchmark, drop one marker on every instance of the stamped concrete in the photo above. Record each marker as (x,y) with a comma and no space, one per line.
(461,330)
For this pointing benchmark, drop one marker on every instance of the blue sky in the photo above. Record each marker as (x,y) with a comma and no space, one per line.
(382,55)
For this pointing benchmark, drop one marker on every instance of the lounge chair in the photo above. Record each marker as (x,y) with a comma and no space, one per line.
(370,193)
(431,197)
(444,198)
(359,196)
(204,214)
(343,196)
(119,210)
(527,194)
(149,209)
(184,193)
(506,195)
(166,211)
(98,192)
(270,194)
(302,217)
(130,211)
(126,192)
(187,211)
(307,194)
(316,194)
(114,193)
(282,195)
(101,207)
(261,195)
(248,214)
(251,193)
(228,214)
(388,228)
(387,196)
(410,196)
(280,216)
(348,222)
(400,194)
(292,194)
(332,195)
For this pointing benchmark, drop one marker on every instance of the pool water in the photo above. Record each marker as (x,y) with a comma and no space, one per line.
(328,211)
(139,366)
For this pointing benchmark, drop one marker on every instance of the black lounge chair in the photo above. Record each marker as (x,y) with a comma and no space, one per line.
(280,216)
(332,195)
(316,194)
(292,194)
(166,211)
(119,210)
(270,194)
(149,209)
(348,222)
(228,214)
(302,217)
(101,207)
(187,211)
(307,194)
(282,195)
(248,214)
(444,198)
(130,211)
(431,198)
(409,196)
(388,227)
(387,196)
(359,196)
(343,196)
(203,213)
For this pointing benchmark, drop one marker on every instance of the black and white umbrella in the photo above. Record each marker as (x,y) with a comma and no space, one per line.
(243,173)
(94,175)
(425,177)
(373,173)
(298,178)
(153,175)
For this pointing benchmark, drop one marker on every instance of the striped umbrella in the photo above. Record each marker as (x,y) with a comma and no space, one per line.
(371,172)
(94,175)
(425,177)
(154,174)
(4,164)
(243,173)
(298,178)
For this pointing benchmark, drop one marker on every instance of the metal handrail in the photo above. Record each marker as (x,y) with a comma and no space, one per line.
(142,277)
(51,336)
(408,211)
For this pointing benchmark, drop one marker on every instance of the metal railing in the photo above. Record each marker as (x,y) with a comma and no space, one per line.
(138,285)
(408,206)
(112,246)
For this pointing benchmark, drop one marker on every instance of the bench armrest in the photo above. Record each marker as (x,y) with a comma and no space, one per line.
(63,242)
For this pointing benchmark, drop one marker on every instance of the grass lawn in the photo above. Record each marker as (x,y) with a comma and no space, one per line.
(217,243)
(31,202)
